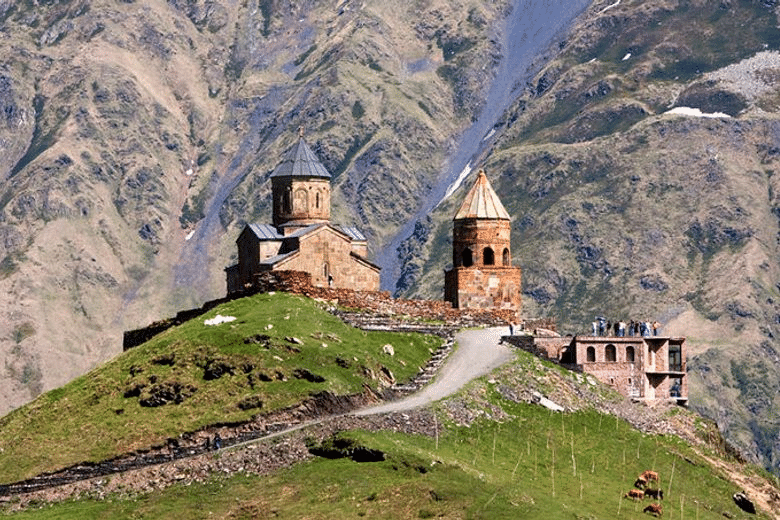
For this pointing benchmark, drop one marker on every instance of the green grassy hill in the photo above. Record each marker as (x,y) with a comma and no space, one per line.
(483,453)
(280,350)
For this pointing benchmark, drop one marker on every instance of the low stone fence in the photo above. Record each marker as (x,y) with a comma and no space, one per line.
(363,309)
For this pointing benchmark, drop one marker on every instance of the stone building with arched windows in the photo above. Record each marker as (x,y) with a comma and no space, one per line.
(301,237)
(482,275)
(650,369)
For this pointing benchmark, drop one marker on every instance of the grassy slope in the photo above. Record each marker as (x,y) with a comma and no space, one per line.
(516,461)
(89,419)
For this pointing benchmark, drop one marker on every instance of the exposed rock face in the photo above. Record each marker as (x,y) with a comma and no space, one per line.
(620,209)
(137,138)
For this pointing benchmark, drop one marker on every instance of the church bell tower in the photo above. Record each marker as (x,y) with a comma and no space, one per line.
(301,190)
(482,275)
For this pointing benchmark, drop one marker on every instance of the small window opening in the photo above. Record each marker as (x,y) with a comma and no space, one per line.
(488,256)
(467,258)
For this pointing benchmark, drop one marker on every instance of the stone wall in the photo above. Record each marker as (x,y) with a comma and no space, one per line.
(484,287)
(300,201)
(377,304)
(380,303)
(325,252)
(472,236)
(626,378)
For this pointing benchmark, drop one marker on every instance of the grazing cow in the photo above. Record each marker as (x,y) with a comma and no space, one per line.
(640,483)
(635,494)
(649,475)
(655,493)
(654,509)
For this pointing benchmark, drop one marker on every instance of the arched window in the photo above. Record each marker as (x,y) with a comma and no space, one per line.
(568,356)
(507,259)
(488,257)
(467,258)
(301,204)
(287,201)
(591,354)
(630,354)
(610,353)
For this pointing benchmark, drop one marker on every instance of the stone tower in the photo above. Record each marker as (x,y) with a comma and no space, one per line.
(301,190)
(482,275)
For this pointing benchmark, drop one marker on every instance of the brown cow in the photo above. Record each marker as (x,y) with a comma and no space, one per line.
(640,483)
(655,493)
(635,494)
(649,475)
(654,509)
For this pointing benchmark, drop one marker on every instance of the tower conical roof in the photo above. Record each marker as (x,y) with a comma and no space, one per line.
(482,202)
(300,161)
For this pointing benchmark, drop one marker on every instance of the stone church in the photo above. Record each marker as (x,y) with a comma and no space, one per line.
(482,275)
(301,236)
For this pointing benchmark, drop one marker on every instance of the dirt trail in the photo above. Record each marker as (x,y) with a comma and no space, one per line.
(478,352)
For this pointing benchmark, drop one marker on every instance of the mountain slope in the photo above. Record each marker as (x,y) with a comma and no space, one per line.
(627,208)
(137,139)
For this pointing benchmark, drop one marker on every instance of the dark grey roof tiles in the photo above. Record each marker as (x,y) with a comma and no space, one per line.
(304,231)
(278,258)
(265,232)
(300,161)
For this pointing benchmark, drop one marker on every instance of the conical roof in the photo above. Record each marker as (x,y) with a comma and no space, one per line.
(300,161)
(482,202)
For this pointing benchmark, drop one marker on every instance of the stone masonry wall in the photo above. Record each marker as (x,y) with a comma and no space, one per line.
(485,287)
(376,303)
(326,246)
(476,235)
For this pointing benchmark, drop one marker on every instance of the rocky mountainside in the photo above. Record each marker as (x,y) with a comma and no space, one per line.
(640,168)
(137,138)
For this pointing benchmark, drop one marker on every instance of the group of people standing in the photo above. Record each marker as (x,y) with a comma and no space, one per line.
(604,327)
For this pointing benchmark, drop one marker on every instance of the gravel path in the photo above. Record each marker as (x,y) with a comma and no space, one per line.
(478,352)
